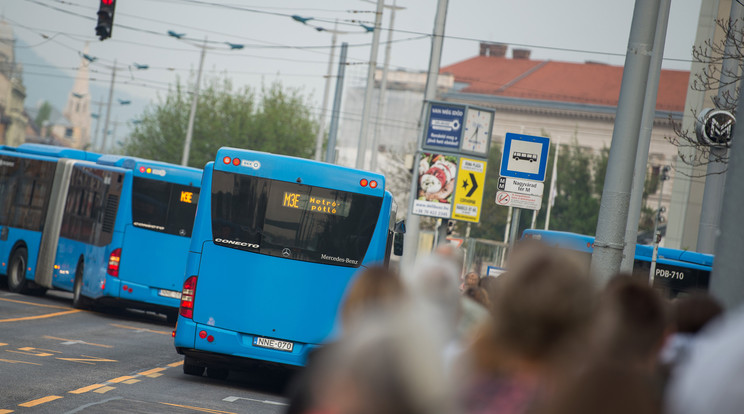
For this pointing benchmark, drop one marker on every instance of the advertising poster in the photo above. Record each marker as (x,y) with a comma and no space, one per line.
(469,192)
(437,175)
(445,127)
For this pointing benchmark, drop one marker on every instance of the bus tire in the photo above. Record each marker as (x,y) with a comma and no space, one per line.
(79,301)
(217,373)
(192,369)
(17,271)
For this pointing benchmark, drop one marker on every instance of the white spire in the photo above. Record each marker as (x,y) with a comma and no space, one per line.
(78,107)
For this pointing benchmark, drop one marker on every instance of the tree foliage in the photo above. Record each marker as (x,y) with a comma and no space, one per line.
(276,120)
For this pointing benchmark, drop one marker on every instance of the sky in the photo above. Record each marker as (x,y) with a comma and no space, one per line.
(51,35)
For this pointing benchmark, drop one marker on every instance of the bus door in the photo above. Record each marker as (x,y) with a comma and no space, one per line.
(281,255)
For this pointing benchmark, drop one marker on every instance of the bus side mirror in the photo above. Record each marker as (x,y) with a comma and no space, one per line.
(398,244)
(400,227)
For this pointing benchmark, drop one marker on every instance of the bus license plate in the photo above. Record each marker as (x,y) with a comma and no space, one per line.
(169,294)
(273,344)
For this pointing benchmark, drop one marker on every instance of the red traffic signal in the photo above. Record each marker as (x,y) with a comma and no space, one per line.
(105,19)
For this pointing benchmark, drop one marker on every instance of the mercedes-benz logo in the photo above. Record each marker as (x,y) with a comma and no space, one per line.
(286,252)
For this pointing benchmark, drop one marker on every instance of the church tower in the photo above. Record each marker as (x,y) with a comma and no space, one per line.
(77,110)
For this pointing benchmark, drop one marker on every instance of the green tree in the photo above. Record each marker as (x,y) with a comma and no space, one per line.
(45,110)
(276,120)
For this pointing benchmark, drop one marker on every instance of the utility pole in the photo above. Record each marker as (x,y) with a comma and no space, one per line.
(715,177)
(362,149)
(192,114)
(333,132)
(94,142)
(613,210)
(383,86)
(412,228)
(326,92)
(644,141)
(102,149)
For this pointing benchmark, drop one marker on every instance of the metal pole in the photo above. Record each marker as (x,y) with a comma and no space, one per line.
(654,256)
(410,247)
(644,140)
(553,185)
(383,88)
(94,143)
(326,92)
(192,114)
(362,149)
(726,281)
(534,219)
(613,210)
(715,178)
(514,227)
(102,149)
(333,132)
(662,178)
(507,230)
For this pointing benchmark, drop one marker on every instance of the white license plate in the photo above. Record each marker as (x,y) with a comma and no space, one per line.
(170,294)
(273,344)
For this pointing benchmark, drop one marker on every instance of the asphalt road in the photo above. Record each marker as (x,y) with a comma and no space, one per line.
(57,359)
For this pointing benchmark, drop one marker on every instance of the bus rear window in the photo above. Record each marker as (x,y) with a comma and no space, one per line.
(163,206)
(292,220)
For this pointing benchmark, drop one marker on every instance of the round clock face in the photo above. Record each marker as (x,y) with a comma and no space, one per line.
(477,131)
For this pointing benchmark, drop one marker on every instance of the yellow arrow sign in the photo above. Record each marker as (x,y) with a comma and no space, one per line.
(471,178)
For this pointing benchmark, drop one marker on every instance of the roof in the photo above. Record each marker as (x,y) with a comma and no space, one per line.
(586,83)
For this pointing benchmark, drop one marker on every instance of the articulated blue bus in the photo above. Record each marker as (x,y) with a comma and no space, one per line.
(115,228)
(276,241)
(677,271)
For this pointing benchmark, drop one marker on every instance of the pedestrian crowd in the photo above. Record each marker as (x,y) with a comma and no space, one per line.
(541,338)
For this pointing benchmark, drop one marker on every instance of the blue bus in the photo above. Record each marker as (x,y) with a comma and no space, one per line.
(677,271)
(147,217)
(276,241)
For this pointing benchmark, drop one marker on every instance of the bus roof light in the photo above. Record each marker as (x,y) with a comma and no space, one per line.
(236,161)
(227,160)
(363,182)
(142,169)
(373,184)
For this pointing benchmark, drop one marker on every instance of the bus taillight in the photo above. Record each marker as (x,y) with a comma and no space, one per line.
(187,298)
(113,264)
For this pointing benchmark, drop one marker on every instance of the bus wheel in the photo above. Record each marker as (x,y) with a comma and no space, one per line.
(217,373)
(17,271)
(79,301)
(171,317)
(192,369)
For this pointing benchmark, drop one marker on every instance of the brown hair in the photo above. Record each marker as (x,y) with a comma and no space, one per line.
(540,309)
(372,288)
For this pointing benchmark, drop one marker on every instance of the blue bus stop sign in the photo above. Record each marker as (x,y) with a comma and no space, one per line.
(525,157)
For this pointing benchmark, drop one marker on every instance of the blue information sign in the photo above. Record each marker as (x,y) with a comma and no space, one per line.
(525,157)
(444,129)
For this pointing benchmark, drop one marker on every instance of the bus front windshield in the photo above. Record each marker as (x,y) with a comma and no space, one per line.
(163,206)
(293,221)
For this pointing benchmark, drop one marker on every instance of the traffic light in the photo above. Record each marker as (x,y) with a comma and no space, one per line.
(105,19)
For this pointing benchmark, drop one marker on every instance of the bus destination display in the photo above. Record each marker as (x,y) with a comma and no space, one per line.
(314,204)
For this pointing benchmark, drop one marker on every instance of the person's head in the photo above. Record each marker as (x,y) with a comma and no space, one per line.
(471,280)
(692,312)
(372,288)
(384,365)
(434,281)
(631,323)
(479,295)
(542,309)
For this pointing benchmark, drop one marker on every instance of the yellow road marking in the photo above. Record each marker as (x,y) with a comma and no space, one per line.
(35,304)
(48,315)
(86,389)
(28,350)
(40,401)
(18,362)
(6,411)
(2,344)
(131,381)
(141,329)
(119,379)
(176,364)
(104,389)
(152,373)
(74,340)
(90,360)
(204,410)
